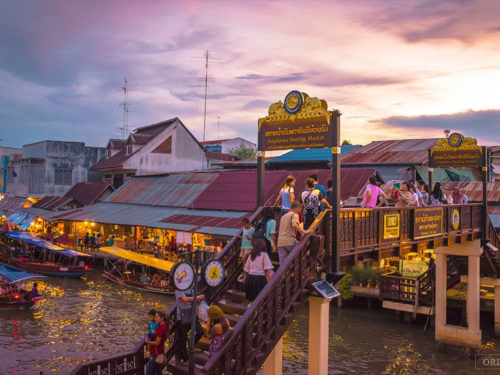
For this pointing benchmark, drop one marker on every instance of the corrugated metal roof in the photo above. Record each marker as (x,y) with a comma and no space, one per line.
(9,204)
(87,193)
(405,151)
(175,190)
(310,154)
(148,216)
(51,203)
(114,162)
(237,190)
(38,212)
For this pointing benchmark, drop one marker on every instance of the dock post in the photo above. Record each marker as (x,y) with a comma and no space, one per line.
(319,324)
(274,362)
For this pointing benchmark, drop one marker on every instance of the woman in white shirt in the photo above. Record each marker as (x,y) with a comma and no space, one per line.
(256,267)
(414,197)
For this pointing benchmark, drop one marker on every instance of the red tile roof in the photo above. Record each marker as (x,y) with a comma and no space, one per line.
(87,193)
(140,139)
(154,129)
(114,162)
(117,144)
(405,151)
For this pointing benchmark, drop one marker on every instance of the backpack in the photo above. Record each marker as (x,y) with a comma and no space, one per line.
(260,230)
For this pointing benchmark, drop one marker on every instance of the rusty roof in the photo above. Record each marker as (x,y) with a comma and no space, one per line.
(173,190)
(404,151)
(87,193)
(51,203)
(114,162)
(11,203)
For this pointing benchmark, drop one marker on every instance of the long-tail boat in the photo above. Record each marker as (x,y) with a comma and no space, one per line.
(35,254)
(12,295)
(137,271)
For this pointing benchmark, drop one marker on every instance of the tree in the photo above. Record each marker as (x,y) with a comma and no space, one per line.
(243,152)
(346,142)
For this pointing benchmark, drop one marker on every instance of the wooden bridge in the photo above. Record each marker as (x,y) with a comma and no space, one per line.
(363,232)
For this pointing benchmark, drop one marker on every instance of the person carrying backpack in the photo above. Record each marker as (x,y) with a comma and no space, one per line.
(312,199)
(266,229)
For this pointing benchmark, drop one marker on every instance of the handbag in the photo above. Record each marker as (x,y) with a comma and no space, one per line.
(161,359)
(269,273)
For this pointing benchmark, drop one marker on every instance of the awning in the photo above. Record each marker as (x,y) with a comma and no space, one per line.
(446,174)
(33,240)
(15,275)
(146,260)
(153,217)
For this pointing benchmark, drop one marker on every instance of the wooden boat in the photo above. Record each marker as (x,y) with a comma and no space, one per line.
(34,254)
(13,296)
(127,268)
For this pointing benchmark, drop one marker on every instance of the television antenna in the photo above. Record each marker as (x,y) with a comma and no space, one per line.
(124,105)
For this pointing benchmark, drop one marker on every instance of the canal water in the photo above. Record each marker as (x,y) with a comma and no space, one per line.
(91,318)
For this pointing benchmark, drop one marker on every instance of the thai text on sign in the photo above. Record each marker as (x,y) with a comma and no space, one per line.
(428,222)
(391,226)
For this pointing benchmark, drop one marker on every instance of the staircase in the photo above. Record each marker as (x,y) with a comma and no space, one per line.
(255,329)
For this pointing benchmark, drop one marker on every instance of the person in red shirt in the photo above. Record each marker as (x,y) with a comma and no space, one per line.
(157,346)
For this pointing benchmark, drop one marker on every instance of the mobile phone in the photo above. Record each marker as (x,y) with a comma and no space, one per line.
(397,185)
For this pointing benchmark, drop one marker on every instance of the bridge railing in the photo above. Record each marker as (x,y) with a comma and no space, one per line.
(268,317)
(362,230)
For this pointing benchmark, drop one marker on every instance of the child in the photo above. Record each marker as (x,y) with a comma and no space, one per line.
(246,242)
(152,325)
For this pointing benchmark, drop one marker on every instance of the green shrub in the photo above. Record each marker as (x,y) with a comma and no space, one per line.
(346,282)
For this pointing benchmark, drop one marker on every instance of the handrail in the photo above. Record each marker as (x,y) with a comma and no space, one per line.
(263,297)
(134,367)
(230,259)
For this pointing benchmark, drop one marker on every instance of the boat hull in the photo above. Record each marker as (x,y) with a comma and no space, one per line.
(52,269)
(122,282)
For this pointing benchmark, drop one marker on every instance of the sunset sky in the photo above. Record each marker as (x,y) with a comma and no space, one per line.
(395,69)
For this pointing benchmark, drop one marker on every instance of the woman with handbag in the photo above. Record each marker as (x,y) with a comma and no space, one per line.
(157,359)
(258,269)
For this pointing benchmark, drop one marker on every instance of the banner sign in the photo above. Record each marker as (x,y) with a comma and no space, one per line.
(298,122)
(391,226)
(456,151)
(428,222)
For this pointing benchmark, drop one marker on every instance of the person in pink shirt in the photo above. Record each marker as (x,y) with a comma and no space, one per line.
(372,192)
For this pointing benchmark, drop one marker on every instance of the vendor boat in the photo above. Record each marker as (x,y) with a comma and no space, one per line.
(34,254)
(12,295)
(137,271)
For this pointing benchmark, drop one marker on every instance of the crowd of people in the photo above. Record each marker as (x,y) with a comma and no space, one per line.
(410,194)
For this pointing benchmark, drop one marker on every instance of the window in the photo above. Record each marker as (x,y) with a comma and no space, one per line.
(165,147)
(129,149)
(63,176)
(107,176)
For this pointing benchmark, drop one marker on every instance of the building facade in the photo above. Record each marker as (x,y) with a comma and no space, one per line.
(50,168)
(226,146)
(163,147)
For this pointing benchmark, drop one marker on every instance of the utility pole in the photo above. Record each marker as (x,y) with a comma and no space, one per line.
(206,89)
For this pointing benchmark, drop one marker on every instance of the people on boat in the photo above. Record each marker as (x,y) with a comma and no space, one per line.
(34,291)
(144,279)
(111,241)
(164,283)
(152,325)
(218,328)
(86,240)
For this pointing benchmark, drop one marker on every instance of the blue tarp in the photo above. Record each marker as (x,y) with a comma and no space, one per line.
(21,219)
(14,275)
(33,240)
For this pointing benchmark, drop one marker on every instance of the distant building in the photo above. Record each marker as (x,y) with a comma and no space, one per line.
(6,153)
(166,146)
(495,163)
(50,168)
(225,146)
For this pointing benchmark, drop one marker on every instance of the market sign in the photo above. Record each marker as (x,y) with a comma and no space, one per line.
(456,151)
(428,222)
(412,268)
(298,122)
(391,226)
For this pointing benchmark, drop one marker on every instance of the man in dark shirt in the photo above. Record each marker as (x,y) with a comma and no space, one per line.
(320,187)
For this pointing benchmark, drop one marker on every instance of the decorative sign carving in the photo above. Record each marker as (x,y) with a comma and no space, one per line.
(456,152)
(455,219)
(299,122)
(428,222)
(391,226)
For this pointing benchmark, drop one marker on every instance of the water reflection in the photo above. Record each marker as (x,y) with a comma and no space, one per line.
(92,318)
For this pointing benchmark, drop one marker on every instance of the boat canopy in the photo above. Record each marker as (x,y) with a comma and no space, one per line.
(132,256)
(37,241)
(21,219)
(15,275)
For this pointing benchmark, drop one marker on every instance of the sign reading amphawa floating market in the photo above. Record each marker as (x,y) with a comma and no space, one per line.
(298,122)
(428,222)
(456,151)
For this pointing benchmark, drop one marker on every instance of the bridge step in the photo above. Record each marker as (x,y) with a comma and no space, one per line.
(230,307)
(233,319)
(182,368)
(236,295)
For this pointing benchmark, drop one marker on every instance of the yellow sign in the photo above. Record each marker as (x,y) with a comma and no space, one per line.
(412,268)
(391,226)
(455,219)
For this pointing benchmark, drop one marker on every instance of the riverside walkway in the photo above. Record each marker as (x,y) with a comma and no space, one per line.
(257,329)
